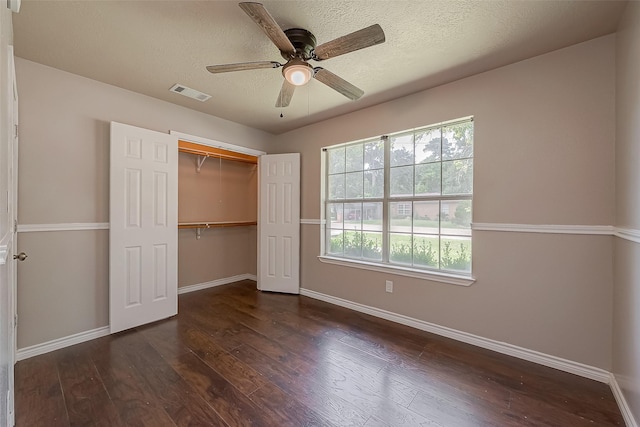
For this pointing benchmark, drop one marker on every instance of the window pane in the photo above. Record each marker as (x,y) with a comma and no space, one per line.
(428,146)
(455,253)
(336,187)
(426,217)
(354,158)
(354,185)
(353,244)
(336,160)
(353,216)
(372,216)
(401,250)
(400,216)
(335,244)
(426,251)
(334,215)
(457,141)
(374,155)
(402,150)
(456,217)
(457,177)
(427,179)
(372,246)
(401,181)
(374,183)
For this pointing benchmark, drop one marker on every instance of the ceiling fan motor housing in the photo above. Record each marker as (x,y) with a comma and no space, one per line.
(302,40)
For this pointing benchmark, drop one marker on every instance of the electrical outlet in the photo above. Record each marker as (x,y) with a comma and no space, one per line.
(389,286)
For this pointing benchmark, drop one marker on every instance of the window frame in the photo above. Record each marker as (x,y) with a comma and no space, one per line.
(384,265)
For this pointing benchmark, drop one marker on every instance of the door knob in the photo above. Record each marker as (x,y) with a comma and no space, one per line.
(21,256)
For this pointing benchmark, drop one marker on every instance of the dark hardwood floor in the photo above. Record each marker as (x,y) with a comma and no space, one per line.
(237,357)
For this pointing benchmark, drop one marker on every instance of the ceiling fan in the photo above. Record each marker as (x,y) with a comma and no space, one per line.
(297,46)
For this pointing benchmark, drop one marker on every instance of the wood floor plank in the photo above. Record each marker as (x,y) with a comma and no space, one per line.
(285,411)
(178,399)
(532,411)
(373,401)
(43,407)
(135,402)
(167,337)
(242,376)
(374,421)
(39,400)
(336,367)
(235,356)
(316,396)
(86,399)
(235,408)
(32,374)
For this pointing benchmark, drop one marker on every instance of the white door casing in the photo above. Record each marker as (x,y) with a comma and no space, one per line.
(279,223)
(143,236)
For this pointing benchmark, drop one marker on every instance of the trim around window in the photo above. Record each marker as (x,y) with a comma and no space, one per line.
(436,276)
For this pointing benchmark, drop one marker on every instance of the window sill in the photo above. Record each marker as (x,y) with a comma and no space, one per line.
(453,279)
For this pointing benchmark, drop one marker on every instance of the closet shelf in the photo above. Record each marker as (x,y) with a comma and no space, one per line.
(216,224)
(218,153)
(198,226)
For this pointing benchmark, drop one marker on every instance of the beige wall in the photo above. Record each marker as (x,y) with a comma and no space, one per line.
(64,167)
(63,289)
(544,154)
(229,250)
(222,190)
(626,314)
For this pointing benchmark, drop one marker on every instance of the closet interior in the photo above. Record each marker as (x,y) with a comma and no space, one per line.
(217,214)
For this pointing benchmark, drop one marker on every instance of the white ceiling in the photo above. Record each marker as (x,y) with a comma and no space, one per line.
(148,46)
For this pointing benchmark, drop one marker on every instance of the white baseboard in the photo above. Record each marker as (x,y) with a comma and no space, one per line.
(214,283)
(57,344)
(622,402)
(501,347)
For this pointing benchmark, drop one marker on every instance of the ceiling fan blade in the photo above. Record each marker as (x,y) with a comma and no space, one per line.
(337,83)
(242,66)
(260,16)
(286,93)
(360,39)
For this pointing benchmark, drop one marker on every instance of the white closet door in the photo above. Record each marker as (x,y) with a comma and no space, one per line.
(143,237)
(279,223)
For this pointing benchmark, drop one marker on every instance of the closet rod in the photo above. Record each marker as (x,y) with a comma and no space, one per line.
(216,224)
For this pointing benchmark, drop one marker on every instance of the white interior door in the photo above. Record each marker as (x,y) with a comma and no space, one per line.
(279,223)
(143,236)
(11,236)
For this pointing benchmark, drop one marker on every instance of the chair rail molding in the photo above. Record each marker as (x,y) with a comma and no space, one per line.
(69,226)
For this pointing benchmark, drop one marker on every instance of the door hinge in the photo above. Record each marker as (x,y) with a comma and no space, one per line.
(15,225)
(16,131)
(15,320)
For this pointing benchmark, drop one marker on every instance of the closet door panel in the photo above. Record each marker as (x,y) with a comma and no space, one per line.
(279,223)
(143,236)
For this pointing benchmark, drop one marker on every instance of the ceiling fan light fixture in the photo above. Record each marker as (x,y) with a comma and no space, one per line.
(297,72)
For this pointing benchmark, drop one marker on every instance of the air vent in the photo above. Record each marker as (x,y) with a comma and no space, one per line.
(191,93)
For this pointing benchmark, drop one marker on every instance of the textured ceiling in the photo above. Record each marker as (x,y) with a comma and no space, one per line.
(148,46)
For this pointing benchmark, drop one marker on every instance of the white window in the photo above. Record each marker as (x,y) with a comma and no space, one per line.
(403,209)
(403,199)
